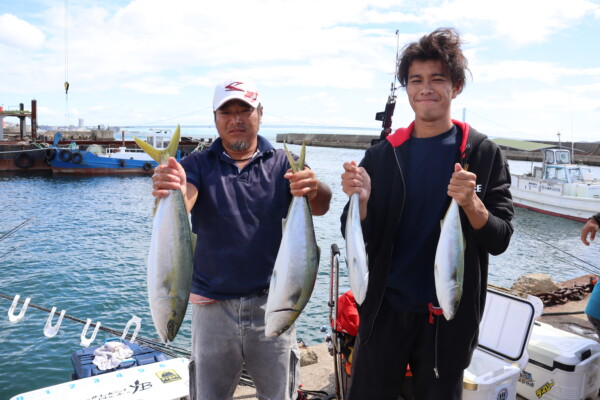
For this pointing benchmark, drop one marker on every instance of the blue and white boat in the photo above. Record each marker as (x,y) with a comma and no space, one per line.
(97,160)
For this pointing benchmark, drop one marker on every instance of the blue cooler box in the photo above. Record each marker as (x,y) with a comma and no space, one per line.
(83,366)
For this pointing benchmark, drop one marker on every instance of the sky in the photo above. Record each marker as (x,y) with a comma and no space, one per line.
(535,64)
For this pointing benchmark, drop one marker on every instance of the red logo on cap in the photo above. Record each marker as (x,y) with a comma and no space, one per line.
(233,86)
(252,95)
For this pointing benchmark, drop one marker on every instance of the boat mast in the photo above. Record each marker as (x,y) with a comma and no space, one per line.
(572,139)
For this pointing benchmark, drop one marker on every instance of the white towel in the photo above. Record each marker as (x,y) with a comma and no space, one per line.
(111,354)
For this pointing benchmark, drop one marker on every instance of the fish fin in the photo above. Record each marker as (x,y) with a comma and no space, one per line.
(194,239)
(161,156)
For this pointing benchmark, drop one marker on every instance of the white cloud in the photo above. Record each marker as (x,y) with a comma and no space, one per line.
(316,62)
(19,34)
(520,21)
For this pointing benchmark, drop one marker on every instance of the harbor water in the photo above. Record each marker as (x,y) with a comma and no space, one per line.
(85,239)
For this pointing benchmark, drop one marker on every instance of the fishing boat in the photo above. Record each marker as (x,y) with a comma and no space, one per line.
(97,160)
(558,187)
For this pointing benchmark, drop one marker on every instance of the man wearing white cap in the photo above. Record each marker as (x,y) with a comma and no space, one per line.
(238,192)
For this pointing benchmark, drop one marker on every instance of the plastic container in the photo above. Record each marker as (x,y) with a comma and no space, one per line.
(84,367)
(502,351)
(561,365)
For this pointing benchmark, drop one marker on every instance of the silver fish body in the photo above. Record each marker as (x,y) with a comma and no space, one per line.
(449,262)
(295,271)
(356,254)
(170,260)
(170,265)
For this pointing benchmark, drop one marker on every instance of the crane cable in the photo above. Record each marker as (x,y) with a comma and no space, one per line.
(66,84)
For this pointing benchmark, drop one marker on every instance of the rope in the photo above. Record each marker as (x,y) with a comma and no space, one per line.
(23,151)
(66,63)
(562,313)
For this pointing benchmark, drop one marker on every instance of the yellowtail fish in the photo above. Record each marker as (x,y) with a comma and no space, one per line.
(356,255)
(296,266)
(449,262)
(170,258)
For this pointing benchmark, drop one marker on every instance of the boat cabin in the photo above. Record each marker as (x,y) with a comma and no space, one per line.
(557,167)
(159,139)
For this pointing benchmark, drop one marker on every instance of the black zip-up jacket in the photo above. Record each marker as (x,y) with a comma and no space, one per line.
(384,162)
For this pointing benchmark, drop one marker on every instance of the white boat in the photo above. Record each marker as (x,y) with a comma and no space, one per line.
(558,187)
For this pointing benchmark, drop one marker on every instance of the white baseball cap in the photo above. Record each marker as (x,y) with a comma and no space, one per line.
(240,89)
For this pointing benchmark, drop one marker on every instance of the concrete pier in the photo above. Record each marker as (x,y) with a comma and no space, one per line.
(327,140)
(585,152)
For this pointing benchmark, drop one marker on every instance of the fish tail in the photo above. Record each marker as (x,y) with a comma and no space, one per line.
(296,166)
(302,157)
(161,156)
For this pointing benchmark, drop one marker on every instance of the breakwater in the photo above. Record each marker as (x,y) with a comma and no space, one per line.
(585,153)
(328,140)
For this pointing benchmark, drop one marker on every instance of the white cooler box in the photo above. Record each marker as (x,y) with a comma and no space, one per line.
(502,350)
(561,365)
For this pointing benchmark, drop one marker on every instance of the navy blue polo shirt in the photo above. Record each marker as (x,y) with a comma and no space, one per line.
(237,219)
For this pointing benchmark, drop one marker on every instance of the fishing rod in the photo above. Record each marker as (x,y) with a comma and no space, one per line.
(13,230)
(581,267)
(595,269)
(386,115)
(8,252)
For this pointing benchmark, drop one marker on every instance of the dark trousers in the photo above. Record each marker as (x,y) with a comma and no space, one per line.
(379,366)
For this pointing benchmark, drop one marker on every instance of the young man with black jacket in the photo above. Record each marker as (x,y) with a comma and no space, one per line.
(405,185)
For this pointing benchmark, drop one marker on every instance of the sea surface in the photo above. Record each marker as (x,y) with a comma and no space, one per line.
(84,243)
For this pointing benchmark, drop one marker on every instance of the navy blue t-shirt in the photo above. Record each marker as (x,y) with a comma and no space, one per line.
(237,219)
(428,169)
